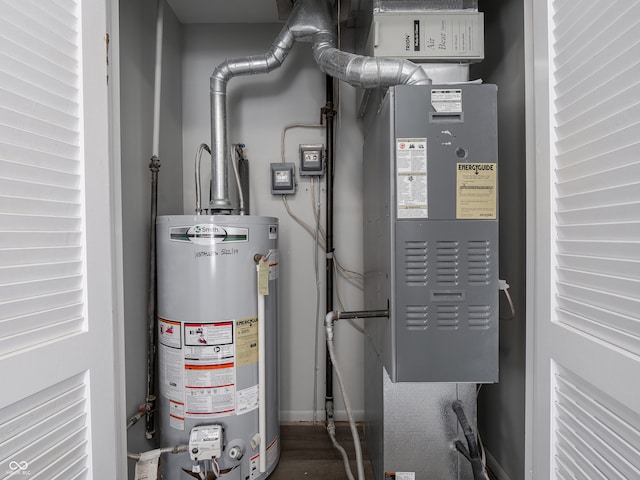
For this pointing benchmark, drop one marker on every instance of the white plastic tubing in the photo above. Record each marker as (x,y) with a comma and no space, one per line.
(329,324)
(157,87)
(262,394)
(310,21)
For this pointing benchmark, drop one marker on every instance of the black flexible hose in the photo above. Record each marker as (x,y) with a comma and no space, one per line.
(472,442)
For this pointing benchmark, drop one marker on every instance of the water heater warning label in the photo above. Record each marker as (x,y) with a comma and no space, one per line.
(212,401)
(209,389)
(170,372)
(273,449)
(274,264)
(247,399)
(476,185)
(169,333)
(200,334)
(411,178)
(176,414)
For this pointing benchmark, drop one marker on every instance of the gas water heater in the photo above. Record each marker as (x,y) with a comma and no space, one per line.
(217,345)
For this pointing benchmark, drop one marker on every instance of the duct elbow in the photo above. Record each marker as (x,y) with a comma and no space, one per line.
(415,75)
(363,71)
(220,77)
(274,60)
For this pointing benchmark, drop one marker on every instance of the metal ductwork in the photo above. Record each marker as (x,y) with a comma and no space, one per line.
(310,21)
(219,199)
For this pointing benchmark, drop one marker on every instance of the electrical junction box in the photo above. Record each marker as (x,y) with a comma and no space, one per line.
(283,179)
(205,442)
(312,160)
(431,232)
(429,36)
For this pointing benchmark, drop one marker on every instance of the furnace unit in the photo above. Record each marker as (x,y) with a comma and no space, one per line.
(431,258)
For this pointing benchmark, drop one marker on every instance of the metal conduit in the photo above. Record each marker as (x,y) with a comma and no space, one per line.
(310,21)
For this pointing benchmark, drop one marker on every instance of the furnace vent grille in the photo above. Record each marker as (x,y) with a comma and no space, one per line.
(479,317)
(448,260)
(448,317)
(478,262)
(416,317)
(416,263)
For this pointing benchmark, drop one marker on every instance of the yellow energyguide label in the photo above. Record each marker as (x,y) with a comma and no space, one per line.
(246,341)
(476,185)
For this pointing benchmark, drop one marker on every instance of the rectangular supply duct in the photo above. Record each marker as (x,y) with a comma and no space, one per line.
(431,232)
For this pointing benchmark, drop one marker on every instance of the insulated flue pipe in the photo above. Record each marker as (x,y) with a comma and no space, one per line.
(310,21)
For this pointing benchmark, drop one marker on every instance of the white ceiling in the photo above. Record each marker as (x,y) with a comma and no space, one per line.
(225,11)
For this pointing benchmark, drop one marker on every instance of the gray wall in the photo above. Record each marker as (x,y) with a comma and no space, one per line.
(259,107)
(137,57)
(501,409)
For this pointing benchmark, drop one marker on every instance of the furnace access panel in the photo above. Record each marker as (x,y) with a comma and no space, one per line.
(431,232)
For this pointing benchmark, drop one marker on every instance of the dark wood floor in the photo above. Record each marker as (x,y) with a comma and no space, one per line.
(308,454)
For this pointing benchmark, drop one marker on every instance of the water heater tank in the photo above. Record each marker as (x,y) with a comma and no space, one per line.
(208,348)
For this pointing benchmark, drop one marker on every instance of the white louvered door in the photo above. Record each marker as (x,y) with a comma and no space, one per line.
(584,261)
(59,395)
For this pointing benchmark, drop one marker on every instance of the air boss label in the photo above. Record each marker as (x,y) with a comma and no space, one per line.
(476,185)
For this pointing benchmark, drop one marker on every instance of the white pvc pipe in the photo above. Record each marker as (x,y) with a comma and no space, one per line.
(157,80)
(262,397)
(328,323)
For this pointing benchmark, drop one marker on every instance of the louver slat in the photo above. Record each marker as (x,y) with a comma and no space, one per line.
(48,430)
(41,237)
(596,207)
(595,435)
